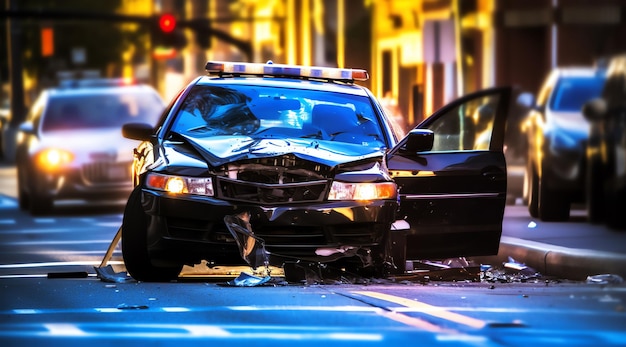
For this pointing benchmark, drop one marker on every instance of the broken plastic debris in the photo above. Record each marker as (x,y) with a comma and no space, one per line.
(107,274)
(326,252)
(605,279)
(247,280)
(251,247)
(512,271)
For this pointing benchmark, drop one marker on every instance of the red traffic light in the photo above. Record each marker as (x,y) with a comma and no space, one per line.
(167,23)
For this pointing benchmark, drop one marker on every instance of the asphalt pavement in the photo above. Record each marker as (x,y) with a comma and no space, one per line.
(574,250)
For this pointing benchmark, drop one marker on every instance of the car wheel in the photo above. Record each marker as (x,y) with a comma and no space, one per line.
(533,192)
(38,203)
(134,244)
(615,211)
(22,195)
(398,253)
(595,191)
(553,206)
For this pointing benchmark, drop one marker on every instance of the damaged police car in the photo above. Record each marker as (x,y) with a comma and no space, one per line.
(266,164)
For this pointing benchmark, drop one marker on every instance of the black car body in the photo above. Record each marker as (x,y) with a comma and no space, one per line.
(70,147)
(606,149)
(301,163)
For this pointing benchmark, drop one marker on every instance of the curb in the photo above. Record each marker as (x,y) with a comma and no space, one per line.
(562,262)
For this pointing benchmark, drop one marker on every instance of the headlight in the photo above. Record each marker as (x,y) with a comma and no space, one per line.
(52,158)
(180,184)
(363,191)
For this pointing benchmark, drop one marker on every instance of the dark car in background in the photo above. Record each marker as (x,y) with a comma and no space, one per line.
(606,153)
(5,118)
(70,147)
(267,164)
(557,133)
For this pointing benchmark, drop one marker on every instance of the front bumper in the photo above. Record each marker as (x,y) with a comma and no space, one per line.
(191,228)
(93,182)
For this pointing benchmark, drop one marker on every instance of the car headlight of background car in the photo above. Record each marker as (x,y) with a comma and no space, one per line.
(180,184)
(52,159)
(362,191)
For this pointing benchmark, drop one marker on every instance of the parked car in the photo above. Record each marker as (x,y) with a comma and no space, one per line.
(71,147)
(267,164)
(606,154)
(557,134)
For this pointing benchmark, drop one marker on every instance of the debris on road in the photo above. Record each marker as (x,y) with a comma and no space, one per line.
(107,274)
(511,271)
(605,279)
(247,280)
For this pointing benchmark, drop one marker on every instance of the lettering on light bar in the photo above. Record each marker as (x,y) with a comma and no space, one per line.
(271,69)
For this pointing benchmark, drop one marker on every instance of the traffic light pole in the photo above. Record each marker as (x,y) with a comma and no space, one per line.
(18,109)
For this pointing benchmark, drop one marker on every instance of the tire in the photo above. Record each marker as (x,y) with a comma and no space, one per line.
(134,244)
(38,203)
(595,191)
(553,205)
(398,253)
(616,205)
(22,195)
(533,192)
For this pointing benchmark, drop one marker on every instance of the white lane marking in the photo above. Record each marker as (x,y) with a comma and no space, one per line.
(305,308)
(8,221)
(177,331)
(57,329)
(65,252)
(56,263)
(176,309)
(108,224)
(43,243)
(45,220)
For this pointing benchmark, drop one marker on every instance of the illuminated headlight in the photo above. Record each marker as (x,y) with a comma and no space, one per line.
(180,184)
(363,191)
(52,158)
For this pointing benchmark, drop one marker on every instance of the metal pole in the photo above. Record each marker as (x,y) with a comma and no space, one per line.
(18,113)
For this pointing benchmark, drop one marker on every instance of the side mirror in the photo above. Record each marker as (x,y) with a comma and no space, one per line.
(27,128)
(594,109)
(419,140)
(527,100)
(137,131)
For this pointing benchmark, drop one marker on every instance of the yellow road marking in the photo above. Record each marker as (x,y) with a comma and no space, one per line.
(427,309)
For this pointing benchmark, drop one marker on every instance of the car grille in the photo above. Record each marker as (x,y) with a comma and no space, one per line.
(281,237)
(235,190)
(106,172)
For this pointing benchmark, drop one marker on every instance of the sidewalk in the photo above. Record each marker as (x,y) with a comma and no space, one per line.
(572,250)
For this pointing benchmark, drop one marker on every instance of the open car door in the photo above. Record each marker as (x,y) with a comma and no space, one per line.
(451,173)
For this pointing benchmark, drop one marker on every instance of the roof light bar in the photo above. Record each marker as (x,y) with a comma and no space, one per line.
(271,69)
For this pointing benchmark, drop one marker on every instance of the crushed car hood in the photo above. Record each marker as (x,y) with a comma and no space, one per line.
(218,150)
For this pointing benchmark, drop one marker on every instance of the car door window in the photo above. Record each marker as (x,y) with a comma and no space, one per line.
(467,126)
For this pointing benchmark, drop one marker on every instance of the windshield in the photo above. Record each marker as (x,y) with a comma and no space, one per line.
(103,110)
(266,112)
(572,92)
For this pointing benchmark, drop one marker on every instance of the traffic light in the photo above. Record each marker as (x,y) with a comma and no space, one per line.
(165,32)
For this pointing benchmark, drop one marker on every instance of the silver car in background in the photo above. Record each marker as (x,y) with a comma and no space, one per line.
(71,147)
